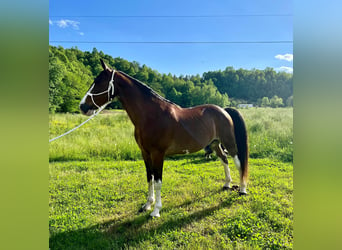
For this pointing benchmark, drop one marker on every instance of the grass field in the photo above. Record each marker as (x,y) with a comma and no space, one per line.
(98,183)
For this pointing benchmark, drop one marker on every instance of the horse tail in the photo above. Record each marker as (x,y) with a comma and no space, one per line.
(241,139)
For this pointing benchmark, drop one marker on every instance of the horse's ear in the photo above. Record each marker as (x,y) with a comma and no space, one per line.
(104,65)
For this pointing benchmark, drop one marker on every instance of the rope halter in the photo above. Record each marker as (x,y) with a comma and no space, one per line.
(110,86)
(110,93)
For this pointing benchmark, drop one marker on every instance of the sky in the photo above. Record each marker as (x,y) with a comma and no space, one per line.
(179,37)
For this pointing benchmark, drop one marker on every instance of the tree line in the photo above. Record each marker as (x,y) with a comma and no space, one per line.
(71,72)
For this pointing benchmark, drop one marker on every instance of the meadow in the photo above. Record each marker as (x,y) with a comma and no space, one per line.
(98,183)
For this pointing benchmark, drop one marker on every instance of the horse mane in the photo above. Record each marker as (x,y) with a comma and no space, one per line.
(146,90)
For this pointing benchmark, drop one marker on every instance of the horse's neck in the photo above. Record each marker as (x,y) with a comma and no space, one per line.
(137,105)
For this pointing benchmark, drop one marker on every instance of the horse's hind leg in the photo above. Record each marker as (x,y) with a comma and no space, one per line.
(243,184)
(232,150)
(223,157)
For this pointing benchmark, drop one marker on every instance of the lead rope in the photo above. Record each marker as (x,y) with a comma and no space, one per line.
(110,85)
(91,117)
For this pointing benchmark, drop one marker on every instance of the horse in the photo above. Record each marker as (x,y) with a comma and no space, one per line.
(163,128)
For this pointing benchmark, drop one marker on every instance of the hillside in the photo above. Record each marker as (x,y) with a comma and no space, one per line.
(71,72)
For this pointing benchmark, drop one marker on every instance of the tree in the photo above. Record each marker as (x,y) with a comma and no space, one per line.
(56,72)
(71,72)
(276,102)
(265,102)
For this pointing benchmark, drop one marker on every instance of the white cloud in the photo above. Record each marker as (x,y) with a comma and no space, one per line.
(65,23)
(286,57)
(286,69)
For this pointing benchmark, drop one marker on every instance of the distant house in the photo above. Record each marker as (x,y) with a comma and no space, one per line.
(245,106)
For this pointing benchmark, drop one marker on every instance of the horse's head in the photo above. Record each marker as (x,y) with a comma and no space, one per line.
(100,93)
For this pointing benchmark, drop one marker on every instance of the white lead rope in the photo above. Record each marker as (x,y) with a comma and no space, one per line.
(91,117)
(110,86)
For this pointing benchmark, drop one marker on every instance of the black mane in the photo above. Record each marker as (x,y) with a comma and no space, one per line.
(146,89)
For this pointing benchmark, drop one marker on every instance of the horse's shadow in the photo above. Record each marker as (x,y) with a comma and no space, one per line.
(128,232)
(196,158)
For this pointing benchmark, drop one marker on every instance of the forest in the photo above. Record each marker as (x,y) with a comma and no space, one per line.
(71,72)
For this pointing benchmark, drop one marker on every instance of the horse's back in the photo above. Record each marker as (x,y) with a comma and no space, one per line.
(195,127)
(208,113)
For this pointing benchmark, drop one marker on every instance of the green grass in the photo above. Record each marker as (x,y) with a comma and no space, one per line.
(94,205)
(107,136)
(98,183)
(110,136)
(270,133)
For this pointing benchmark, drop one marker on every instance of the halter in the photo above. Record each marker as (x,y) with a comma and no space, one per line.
(110,85)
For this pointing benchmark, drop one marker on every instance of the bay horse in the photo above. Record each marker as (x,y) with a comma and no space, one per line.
(162,128)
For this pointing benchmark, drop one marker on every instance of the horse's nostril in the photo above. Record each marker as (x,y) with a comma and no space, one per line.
(84,108)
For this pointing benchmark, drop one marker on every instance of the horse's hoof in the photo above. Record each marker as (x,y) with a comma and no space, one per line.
(154,215)
(145,208)
(226,188)
(242,194)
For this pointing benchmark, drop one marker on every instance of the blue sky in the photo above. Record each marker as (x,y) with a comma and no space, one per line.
(102,24)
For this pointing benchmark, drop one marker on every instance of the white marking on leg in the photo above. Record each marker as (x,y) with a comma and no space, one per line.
(150,198)
(158,205)
(151,191)
(237,162)
(227,173)
(243,187)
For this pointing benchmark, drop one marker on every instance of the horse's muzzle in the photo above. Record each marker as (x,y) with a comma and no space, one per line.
(86,109)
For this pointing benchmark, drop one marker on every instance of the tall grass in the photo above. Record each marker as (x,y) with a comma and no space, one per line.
(110,135)
(270,133)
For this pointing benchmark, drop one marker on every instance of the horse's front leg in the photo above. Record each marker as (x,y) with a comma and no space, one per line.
(157,168)
(150,181)
(158,205)
(150,198)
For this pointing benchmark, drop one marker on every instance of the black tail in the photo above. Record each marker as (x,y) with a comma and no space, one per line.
(241,138)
